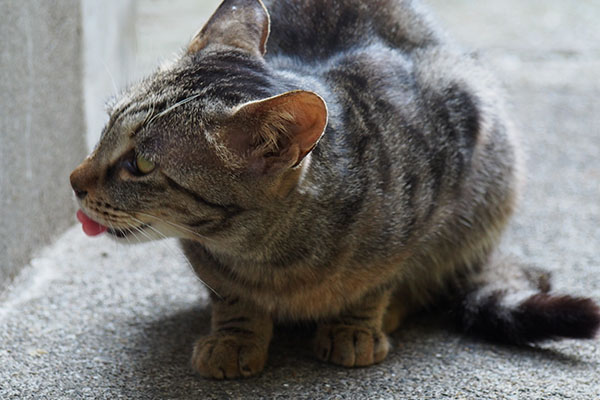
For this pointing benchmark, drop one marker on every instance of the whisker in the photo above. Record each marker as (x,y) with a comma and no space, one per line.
(111,226)
(116,244)
(159,233)
(132,231)
(132,228)
(137,239)
(175,255)
(182,227)
(171,108)
(112,78)
(149,115)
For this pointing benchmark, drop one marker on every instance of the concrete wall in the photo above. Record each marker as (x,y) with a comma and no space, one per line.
(109,56)
(41,124)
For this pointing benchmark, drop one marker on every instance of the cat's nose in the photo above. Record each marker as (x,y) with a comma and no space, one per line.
(76,184)
(80,193)
(82,179)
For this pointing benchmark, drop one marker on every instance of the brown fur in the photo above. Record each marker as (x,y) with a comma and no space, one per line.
(357,171)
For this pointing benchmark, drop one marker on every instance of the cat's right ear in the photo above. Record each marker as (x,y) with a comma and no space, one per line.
(243,24)
(277,133)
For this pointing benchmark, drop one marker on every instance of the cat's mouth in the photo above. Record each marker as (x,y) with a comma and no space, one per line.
(125,232)
(94,228)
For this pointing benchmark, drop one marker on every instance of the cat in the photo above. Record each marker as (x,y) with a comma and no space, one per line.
(335,161)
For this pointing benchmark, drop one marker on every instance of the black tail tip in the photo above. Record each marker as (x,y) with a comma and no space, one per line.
(545,316)
(538,318)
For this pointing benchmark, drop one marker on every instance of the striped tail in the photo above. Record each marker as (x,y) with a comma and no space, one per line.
(537,318)
(512,305)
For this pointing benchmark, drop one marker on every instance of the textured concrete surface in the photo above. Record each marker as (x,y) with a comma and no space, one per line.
(92,319)
(41,124)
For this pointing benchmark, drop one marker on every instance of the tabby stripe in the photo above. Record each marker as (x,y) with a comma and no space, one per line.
(236,320)
(235,330)
(230,274)
(200,223)
(355,318)
(229,210)
(115,116)
(133,108)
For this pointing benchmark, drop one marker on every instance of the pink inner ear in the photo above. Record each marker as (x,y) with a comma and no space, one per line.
(311,119)
(90,227)
(313,127)
(278,132)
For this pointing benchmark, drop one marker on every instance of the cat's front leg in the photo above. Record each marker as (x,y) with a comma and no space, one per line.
(238,343)
(355,338)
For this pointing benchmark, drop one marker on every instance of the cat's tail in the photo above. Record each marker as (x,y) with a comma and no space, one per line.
(512,304)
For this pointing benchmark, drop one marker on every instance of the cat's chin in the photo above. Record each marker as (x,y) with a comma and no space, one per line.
(138,234)
(120,233)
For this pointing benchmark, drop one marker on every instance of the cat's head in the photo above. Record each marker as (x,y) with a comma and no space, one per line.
(198,143)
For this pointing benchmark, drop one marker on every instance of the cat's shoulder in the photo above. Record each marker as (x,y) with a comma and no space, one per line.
(318,29)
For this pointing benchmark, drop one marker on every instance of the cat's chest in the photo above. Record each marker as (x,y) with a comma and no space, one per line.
(299,291)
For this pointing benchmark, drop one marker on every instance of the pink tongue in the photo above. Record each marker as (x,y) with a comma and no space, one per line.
(90,227)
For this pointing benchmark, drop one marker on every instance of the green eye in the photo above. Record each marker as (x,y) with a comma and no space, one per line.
(143,165)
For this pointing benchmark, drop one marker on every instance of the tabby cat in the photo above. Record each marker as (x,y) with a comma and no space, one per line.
(335,161)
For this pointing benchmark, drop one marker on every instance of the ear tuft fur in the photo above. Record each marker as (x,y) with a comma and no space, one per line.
(278,132)
(273,130)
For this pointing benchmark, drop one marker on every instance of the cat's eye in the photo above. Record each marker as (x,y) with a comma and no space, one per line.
(137,164)
(143,165)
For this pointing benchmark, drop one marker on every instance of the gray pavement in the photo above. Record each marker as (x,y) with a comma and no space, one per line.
(91,319)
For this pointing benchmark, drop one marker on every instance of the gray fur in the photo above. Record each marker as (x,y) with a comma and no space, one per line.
(406,192)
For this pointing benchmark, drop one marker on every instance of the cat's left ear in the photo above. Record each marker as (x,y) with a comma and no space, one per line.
(243,24)
(279,132)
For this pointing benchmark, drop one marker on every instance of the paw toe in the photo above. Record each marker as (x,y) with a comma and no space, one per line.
(350,346)
(228,357)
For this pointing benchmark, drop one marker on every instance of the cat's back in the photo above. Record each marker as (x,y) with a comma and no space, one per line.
(315,30)
(410,115)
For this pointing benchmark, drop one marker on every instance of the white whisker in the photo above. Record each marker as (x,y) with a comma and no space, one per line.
(158,232)
(112,227)
(112,78)
(115,242)
(171,108)
(133,229)
(179,226)
(148,115)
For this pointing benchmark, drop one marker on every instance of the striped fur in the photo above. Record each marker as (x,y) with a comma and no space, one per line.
(400,200)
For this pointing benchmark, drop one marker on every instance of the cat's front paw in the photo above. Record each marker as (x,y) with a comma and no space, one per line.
(228,356)
(350,345)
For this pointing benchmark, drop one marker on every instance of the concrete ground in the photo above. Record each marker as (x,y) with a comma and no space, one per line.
(92,319)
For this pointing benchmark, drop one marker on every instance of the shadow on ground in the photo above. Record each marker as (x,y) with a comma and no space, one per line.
(158,360)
